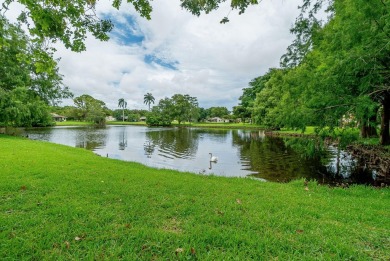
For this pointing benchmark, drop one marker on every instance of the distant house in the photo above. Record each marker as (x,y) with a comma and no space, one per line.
(57,117)
(110,118)
(216,119)
(143,118)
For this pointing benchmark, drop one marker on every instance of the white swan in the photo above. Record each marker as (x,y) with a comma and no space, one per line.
(213,158)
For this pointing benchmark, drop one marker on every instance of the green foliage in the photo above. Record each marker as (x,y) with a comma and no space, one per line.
(132,115)
(162,114)
(158,119)
(307,147)
(70,112)
(247,99)
(90,109)
(29,79)
(185,108)
(22,108)
(179,107)
(199,6)
(202,114)
(71,21)
(334,73)
(148,99)
(122,104)
(217,112)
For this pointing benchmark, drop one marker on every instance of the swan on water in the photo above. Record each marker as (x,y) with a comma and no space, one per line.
(213,158)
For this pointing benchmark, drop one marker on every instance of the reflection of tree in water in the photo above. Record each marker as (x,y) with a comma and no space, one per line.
(122,139)
(39,133)
(178,142)
(91,138)
(149,148)
(343,166)
(216,135)
(271,159)
(278,159)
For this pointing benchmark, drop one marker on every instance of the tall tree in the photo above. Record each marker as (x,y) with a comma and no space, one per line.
(353,54)
(218,111)
(148,99)
(185,107)
(90,109)
(122,104)
(162,114)
(29,79)
(245,108)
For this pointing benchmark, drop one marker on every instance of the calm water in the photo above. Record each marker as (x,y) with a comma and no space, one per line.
(240,152)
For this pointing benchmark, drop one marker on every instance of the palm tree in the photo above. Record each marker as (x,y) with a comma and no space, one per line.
(148,99)
(122,104)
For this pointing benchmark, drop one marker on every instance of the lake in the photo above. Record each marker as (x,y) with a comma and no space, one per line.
(241,153)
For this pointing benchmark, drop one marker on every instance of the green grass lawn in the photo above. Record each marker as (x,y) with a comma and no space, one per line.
(140,123)
(73,123)
(222,125)
(308,131)
(63,203)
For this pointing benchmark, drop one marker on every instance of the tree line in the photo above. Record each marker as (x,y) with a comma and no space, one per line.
(333,74)
(180,108)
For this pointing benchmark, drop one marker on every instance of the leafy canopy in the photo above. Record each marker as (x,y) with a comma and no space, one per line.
(69,21)
(29,79)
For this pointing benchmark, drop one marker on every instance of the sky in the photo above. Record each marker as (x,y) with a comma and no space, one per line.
(177,52)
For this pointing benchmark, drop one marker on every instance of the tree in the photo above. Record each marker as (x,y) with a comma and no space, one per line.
(333,70)
(69,111)
(71,21)
(202,114)
(19,108)
(90,109)
(185,107)
(29,79)
(148,99)
(180,107)
(352,55)
(245,108)
(218,112)
(122,104)
(162,114)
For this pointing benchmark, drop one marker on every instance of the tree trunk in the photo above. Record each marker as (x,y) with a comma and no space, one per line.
(368,130)
(385,135)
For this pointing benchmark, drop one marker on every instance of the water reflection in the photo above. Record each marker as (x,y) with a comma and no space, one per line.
(178,143)
(271,159)
(122,139)
(87,138)
(241,152)
(91,139)
(343,167)
(149,148)
(211,164)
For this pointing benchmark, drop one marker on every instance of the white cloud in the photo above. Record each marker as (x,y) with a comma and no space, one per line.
(215,61)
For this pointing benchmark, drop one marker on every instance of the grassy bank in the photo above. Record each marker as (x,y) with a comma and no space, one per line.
(139,123)
(222,125)
(59,203)
(73,123)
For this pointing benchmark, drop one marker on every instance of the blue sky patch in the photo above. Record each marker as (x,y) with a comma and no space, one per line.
(151,58)
(127,31)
